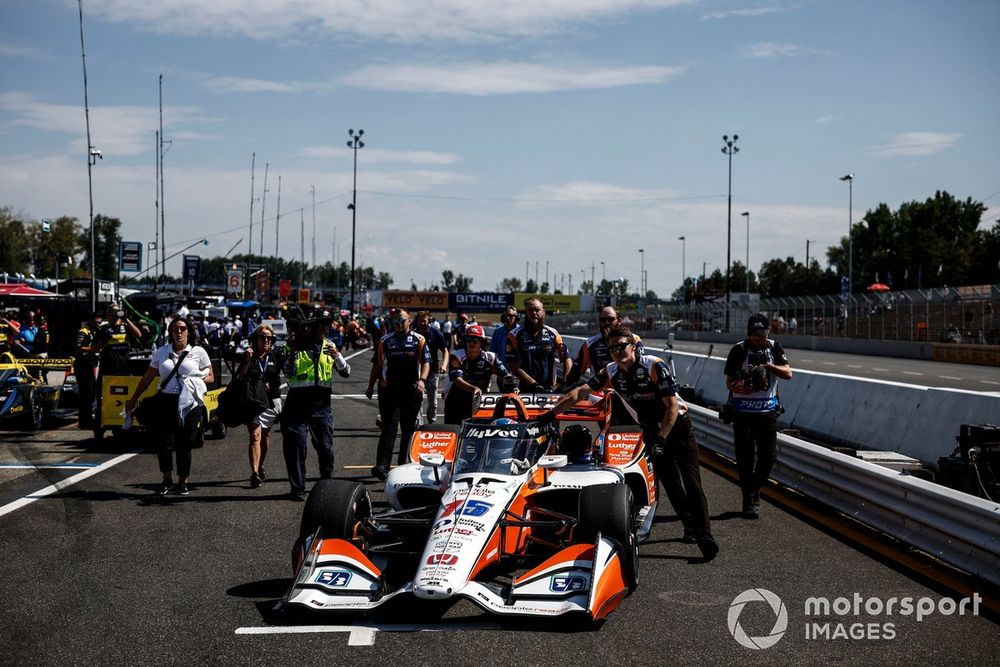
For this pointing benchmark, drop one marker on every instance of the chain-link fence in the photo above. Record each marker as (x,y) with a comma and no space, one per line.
(940,314)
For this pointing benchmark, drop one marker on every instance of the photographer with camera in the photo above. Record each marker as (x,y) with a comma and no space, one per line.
(752,370)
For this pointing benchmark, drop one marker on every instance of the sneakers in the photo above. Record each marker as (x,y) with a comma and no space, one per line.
(164,488)
(182,489)
(709,547)
(379,473)
(260,473)
(255,481)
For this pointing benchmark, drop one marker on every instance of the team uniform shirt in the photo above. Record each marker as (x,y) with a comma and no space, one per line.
(85,338)
(595,355)
(114,354)
(164,359)
(536,353)
(643,386)
(400,357)
(743,356)
(476,372)
(435,345)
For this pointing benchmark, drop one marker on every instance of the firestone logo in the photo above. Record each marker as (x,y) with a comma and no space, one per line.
(780,618)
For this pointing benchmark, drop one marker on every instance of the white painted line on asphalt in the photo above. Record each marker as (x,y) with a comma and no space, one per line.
(363,635)
(62,484)
(337,397)
(989,382)
(829,363)
(911,373)
(855,366)
(948,377)
(886,370)
(48,466)
(348,357)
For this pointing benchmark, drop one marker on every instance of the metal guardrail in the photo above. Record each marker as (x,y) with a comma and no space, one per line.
(955,527)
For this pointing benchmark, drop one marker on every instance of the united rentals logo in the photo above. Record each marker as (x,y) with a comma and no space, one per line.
(780,618)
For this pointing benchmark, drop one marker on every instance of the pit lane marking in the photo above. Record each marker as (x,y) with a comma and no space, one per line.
(64,483)
(911,373)
(47,466)
(363,635)
(949,377)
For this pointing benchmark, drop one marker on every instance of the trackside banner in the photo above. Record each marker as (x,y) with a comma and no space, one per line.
(479,302)
(413,301)
(552,302)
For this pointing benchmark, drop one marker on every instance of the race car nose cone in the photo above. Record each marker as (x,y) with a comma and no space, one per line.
(432,591)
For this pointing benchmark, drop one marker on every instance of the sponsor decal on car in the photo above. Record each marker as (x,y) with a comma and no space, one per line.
(475,508)
(333,578)
(560,583)
(442,559)
(492,433)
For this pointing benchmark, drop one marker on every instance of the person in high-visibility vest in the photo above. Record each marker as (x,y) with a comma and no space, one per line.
(309,369)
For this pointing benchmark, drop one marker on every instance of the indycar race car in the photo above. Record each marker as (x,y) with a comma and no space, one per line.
(25,400)
(478,502)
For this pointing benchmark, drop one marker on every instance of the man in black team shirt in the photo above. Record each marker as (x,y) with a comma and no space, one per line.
(532,350)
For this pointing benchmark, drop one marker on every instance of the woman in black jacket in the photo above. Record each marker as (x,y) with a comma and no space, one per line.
(262,364)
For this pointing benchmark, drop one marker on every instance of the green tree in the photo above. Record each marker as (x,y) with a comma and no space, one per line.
(106,240)
(509,285)
(14,242)
(61,243)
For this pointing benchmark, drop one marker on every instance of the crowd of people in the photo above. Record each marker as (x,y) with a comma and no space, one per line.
(410,355)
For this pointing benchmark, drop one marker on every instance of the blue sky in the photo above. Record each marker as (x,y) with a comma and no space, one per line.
(572,132)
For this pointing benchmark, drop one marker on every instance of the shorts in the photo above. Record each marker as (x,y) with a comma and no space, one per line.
(267,418)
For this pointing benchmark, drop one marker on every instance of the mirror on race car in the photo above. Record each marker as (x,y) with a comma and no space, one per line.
(431,460)
(552,461)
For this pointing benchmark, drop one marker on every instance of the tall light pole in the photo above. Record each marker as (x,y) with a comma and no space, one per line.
(642,272)
(253,164)
(354,143)
(746,214)
(850,231)
(729,149)
(92,155)
(263,203)
(683,240)
(604,275)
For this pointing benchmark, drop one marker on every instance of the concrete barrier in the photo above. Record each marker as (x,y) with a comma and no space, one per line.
(918,421)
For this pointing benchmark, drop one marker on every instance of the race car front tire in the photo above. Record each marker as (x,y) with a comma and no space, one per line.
(607,509)
(34,413)
(335,506)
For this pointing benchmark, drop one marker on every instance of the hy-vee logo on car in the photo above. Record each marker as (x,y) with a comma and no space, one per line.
(561,584)
(333,578)
(493,433)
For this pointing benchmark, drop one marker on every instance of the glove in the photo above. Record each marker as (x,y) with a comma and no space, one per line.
(546,418)
(658,446)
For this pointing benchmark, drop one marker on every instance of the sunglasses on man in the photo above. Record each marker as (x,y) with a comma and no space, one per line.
(619,348)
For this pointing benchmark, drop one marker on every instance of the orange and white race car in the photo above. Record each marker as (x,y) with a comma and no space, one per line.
(478,504)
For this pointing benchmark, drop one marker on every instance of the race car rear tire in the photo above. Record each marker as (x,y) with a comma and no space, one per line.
(607,509)
(335,506)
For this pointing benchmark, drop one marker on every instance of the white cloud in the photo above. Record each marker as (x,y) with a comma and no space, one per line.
(382,155)
(504,78)
(771,50)
(388,19)
(116,130)
(575,192)
(8,50)
(233,84)
(754,11)
(916,143)
(822,120)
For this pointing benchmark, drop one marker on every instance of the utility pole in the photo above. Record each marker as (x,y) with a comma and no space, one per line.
(729,149)
(163,198)
(156,215)
(277,221)
(253,162)
(263,203)
(315,274)
(302,250)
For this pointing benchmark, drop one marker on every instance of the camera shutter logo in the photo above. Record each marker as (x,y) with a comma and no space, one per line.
(780,621)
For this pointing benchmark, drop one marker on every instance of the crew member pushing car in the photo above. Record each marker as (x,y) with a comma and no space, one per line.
(402,364)
(648,387)
(469,375)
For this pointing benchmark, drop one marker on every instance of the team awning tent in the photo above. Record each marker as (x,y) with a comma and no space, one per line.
(21,289)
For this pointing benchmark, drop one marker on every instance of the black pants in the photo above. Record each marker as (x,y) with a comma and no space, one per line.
(457,406)
(756,439)
(83,369)
(679,472)
(395,407)
(180,441)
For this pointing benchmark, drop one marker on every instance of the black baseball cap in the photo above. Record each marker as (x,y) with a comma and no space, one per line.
(758,325)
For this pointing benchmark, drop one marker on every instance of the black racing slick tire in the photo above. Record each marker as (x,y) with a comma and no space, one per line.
(607,509)
(34,412)
(335,507)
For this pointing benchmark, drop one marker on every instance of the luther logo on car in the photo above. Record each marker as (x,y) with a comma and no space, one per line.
(442,559)
(334,578)
(566,584)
